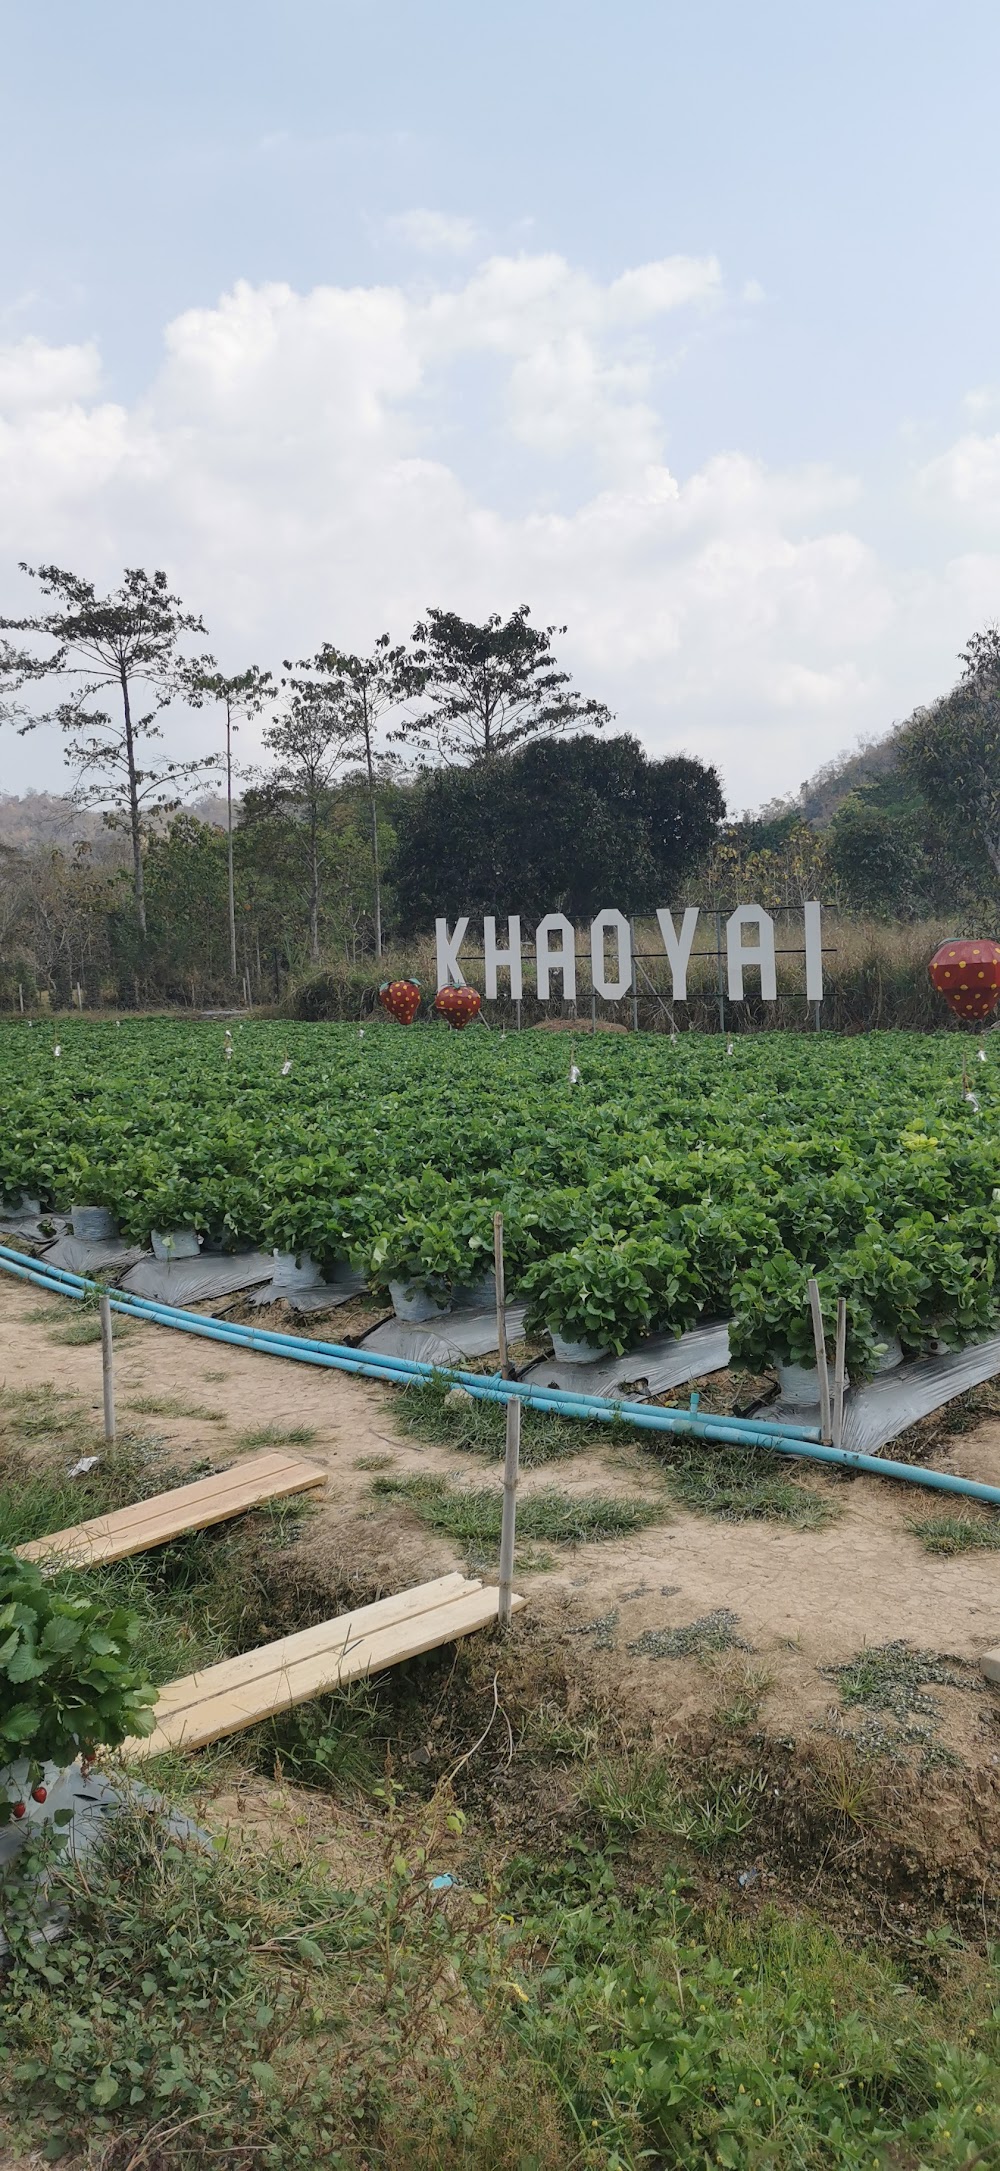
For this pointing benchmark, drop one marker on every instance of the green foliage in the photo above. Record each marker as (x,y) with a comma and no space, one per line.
(69,1680)
(558,826)
(669,1184)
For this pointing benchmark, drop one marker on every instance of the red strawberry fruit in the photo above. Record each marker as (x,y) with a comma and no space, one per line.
(39,1794)
(20,1809)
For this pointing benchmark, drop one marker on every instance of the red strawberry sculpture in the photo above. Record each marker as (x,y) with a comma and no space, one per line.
(401,998)
(967,974)
(458,1005)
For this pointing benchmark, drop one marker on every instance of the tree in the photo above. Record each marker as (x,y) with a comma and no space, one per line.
(367,687)
(572,826)
(125,640)
(491,687)
(243,695)
(311,742)
(952,751)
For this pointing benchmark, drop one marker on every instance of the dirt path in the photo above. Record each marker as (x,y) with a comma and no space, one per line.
(803,1600)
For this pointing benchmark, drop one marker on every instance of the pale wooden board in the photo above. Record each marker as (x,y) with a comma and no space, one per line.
(327,1638)
(269,1476)
(213,1717)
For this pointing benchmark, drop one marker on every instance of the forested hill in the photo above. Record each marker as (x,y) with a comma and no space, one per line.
(54,818)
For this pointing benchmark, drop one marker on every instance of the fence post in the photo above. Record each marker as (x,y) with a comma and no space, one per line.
(498,1273)
(107,1365)
(512,1457)
(819,1340)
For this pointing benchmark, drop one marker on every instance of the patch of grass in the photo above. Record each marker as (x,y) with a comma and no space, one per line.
(895,1677)
(639,1792)
(472,1516)
(172,1406)
(698,1639)
(963,1533)
(374,1462)
(472,1427)
(279,1436)
(74,1324)
(738,1485)
(43,1413)
(743,1689)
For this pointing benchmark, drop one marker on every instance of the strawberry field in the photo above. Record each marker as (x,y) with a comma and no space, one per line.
(665,1184)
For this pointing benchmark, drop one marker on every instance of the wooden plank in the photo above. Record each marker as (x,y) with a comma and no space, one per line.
(171,1515)
(325,1638)
(216,1716)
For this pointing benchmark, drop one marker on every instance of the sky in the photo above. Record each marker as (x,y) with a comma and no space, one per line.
(679,323)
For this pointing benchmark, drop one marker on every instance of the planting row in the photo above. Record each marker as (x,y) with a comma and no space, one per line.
(644,1184)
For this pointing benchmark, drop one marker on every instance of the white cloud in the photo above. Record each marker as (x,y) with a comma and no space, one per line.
(967,476)
(33,375)
(435,233)
(292,466)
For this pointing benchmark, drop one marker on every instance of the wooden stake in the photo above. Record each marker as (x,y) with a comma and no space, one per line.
(819,1339)
(511,1463)
(501,1294)
(107,1365)
(840,1373)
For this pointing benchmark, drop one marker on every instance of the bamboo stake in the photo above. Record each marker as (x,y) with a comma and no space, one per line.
(107,1365)
(819,1339)
(501,1294)
(840,1373)
(512,1457)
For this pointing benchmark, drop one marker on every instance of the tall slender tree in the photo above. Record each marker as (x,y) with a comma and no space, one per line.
(245,694)
(491,687)
(368,688)
(311,741)
(126,642)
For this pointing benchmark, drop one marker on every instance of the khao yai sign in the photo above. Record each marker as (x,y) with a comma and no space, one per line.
(747,941)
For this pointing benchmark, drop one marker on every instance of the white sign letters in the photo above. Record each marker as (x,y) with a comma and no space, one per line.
(555,954)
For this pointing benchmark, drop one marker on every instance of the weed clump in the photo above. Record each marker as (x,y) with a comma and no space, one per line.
(951,1534)
(895,1677)
(713,1632)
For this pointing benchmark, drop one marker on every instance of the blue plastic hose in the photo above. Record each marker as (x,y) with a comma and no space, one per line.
(402,1371)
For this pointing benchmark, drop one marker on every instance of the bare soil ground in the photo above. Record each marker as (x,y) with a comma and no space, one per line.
(803,1600)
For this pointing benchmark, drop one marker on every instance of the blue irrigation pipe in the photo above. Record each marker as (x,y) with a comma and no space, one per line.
(399,1370)
(402,1371)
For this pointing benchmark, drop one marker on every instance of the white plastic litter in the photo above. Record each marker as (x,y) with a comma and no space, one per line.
(84,1466)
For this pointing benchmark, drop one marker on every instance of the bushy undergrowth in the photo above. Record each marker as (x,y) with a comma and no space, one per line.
(246,2008)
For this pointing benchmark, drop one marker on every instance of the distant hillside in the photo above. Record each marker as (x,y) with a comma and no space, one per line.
(817,800)
(54,819)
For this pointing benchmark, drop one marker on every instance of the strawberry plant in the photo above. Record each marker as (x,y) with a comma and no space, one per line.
(69,1684)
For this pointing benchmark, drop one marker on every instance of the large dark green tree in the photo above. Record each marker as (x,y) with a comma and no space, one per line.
(571,825)
(490,688)
(125,644)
